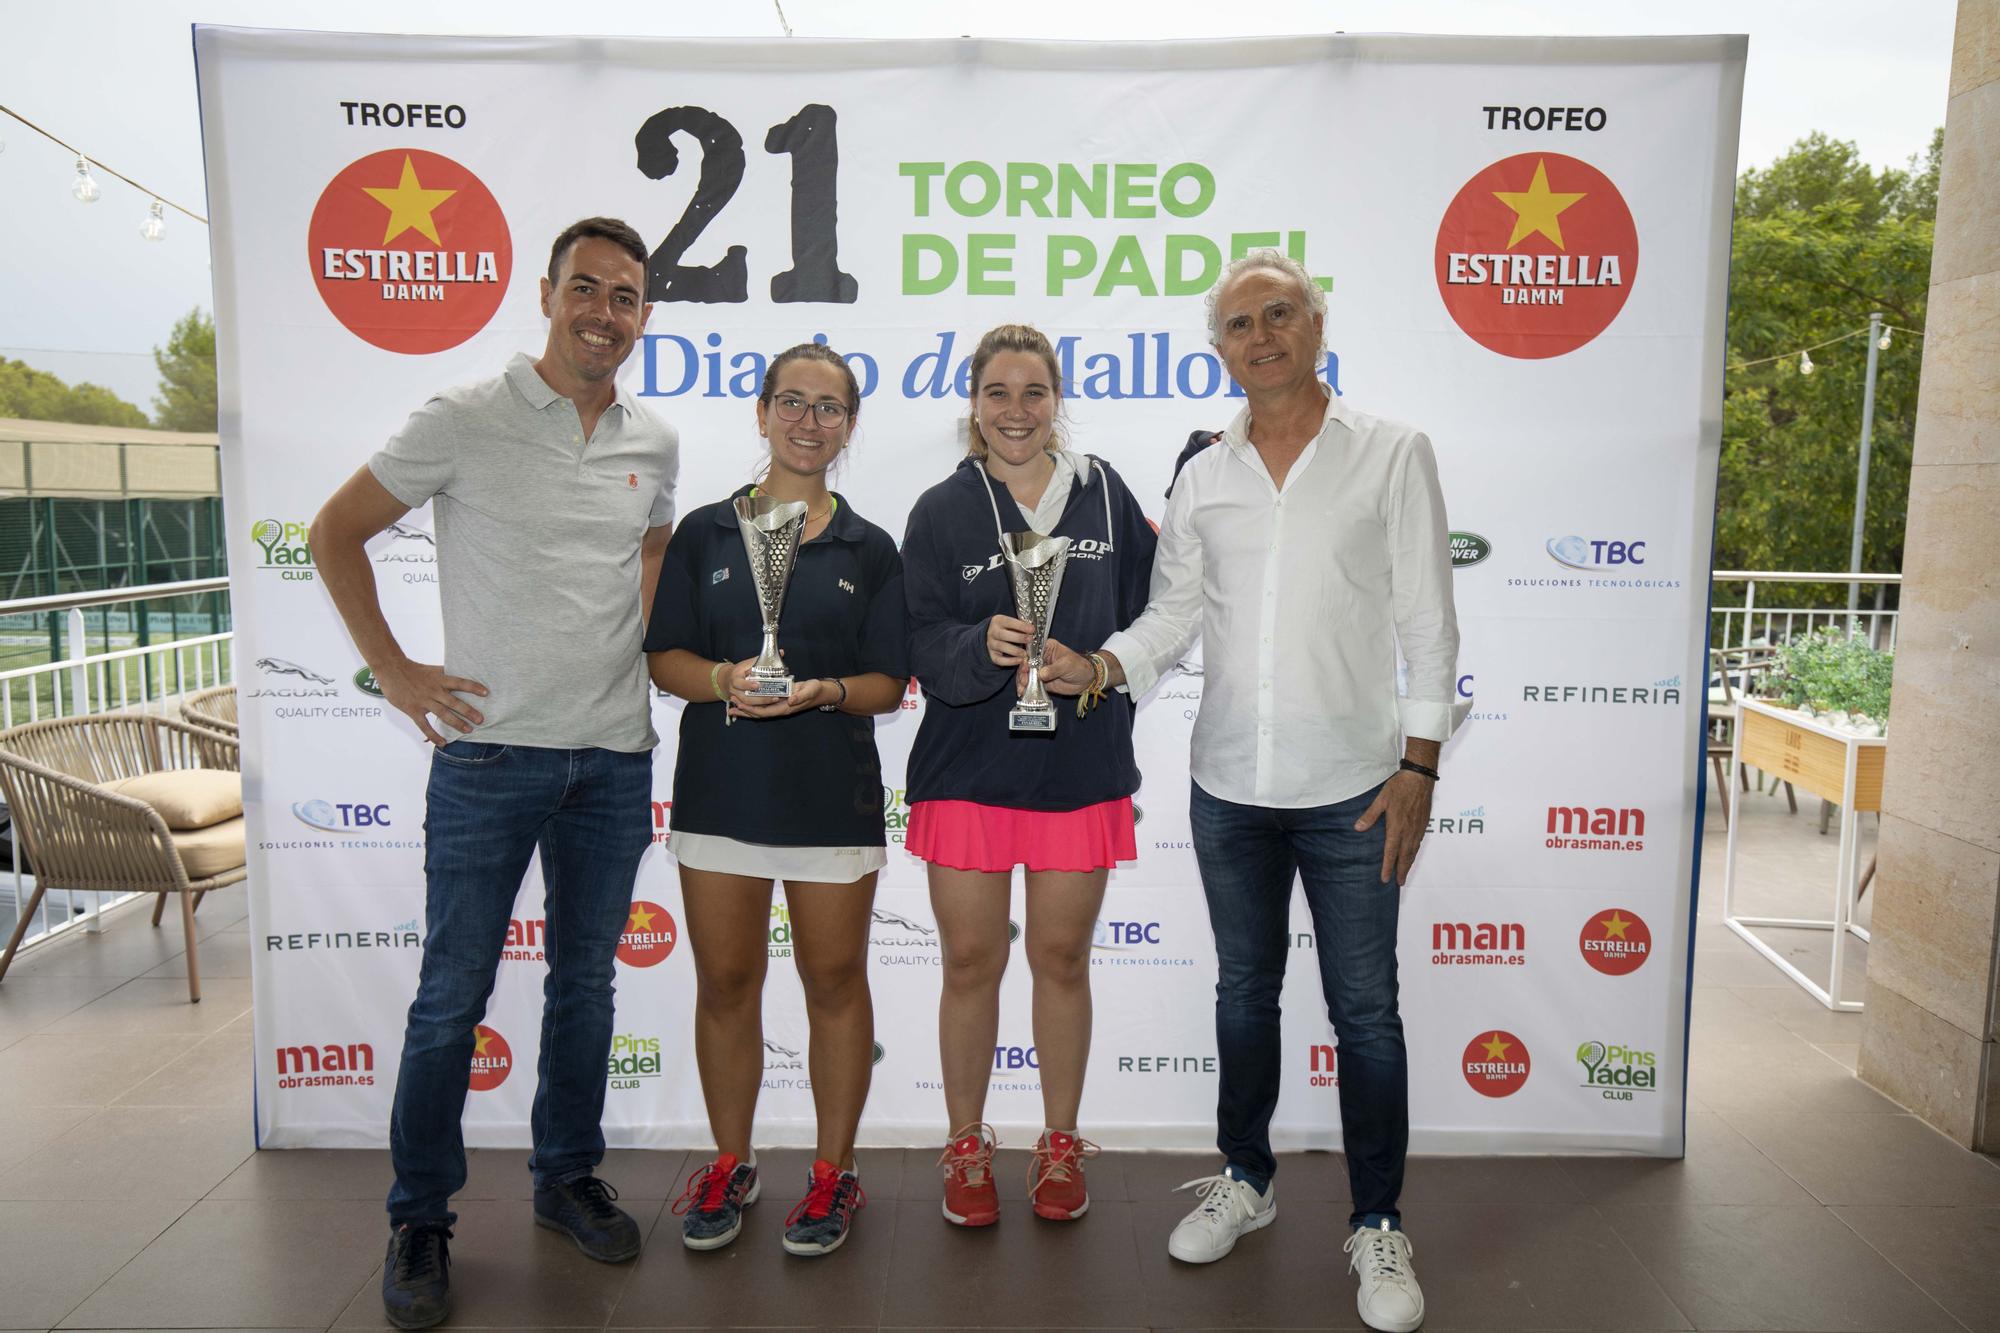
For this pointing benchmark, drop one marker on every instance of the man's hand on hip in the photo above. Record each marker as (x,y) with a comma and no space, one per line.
(1405,801)
(419,690)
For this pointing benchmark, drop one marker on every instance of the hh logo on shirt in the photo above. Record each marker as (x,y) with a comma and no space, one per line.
(718,576)
(845,586)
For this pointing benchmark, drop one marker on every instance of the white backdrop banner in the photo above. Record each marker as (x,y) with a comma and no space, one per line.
(1525,246)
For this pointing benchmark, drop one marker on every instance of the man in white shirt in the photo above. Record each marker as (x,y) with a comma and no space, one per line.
(1305,546)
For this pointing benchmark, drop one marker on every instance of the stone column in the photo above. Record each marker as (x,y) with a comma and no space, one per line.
(1934,965)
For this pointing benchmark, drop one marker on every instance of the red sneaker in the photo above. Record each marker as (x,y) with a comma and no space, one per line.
(1055,1176)
(969,1197)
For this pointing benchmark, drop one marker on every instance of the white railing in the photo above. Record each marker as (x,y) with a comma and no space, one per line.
(1762,616)
(150,678)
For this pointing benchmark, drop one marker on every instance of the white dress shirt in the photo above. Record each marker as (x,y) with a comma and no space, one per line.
(1301,595)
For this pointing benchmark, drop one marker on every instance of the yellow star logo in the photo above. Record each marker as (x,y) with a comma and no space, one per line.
(1496,1049)
(480,1037)
(1535,210)
(1614,926)
(410,205)
(641,918)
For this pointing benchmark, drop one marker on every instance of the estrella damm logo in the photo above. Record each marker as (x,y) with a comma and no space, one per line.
(649,935)
(1616,942)
(492,1059)
(1536,255)
(1496,1064)
(409,250)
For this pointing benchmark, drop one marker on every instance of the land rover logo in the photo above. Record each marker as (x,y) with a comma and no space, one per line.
(364,680)
(1468,548)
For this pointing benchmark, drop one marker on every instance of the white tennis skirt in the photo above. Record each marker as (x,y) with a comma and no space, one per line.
(760,860)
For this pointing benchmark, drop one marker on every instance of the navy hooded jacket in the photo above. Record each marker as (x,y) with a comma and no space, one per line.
(956,582)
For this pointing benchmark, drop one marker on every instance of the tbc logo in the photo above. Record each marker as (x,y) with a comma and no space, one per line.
(409,250)
(1123,934)
(284,547)
(1496,1064)
(341,816)
(1325,1068)
(492,1060)
(1593,553)
(649,935)
(1012,1059)
(1616,942)
(331,1065)
(1535,255)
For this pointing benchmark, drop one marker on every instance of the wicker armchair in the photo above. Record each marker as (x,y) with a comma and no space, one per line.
(83,836)
(213,708)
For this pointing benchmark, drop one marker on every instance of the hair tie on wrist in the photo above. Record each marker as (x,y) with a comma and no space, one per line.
(715,680)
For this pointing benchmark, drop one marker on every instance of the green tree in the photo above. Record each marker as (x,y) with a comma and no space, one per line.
(40,396)
(1820,241)
(187,375)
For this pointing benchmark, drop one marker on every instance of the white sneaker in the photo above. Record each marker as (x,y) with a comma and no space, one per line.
(1389,1299)
(1229,1208)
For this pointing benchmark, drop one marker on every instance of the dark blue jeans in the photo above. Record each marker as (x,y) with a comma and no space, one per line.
(1248,855)
(487,808)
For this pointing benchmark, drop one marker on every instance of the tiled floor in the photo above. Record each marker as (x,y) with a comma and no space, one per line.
(130,1196)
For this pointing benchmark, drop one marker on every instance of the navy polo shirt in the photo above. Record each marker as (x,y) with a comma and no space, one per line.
(812,779)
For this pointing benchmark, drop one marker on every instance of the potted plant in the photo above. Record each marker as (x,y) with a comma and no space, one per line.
(1837,679)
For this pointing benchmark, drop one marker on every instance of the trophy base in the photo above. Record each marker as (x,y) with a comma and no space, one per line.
(769,687)
(1032,719)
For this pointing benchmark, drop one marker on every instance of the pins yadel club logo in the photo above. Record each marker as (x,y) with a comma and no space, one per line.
(409,250)
(649,935)
(492,1059)
(1617,1071)
(1616,942)
(1536,255)
(1496,1064)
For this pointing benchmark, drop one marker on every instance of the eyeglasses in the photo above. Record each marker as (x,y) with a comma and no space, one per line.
(791,407)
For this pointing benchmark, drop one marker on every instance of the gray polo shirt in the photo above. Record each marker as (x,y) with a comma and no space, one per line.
(538,535)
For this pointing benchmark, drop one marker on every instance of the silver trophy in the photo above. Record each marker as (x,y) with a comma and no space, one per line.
(770,531)
(1035,564)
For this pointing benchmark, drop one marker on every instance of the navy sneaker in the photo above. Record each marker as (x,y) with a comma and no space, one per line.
(711,1207)
(823,1218)
(582,1209)
(416,1275)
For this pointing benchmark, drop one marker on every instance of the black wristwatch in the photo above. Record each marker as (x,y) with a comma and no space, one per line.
(1412,766)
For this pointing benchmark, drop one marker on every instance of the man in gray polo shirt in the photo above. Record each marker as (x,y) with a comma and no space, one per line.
(553,494)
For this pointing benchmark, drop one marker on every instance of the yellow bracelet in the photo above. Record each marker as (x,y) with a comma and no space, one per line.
(1093,693)
(715,680)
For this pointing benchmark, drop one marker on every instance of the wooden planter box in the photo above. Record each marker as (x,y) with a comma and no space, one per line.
(1810,755)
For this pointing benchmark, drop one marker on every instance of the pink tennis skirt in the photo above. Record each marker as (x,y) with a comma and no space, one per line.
(966,835)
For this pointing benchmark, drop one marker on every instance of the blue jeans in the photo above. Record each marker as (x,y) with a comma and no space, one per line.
(1248,855)
(487,808)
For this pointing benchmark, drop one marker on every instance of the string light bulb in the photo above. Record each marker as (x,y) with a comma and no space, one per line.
(1805,363)
(154,228)
(83,187)
(1883,341)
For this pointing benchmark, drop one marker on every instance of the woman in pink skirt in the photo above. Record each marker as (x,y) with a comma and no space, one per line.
(985,799)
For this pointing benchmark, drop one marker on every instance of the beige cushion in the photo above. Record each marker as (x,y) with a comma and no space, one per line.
(187,798)
(212,850)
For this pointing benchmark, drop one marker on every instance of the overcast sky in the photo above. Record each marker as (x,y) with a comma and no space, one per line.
(83,296)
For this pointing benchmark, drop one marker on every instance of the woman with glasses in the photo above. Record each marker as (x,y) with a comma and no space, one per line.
(781,788)
(984,798)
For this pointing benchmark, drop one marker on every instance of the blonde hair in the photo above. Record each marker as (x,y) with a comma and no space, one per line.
(1012,338)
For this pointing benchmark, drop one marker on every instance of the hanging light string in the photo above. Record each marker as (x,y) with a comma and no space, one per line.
(1803,352)
(83,157)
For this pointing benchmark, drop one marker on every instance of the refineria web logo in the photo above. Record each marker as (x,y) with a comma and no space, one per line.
(1496,1064)
(1616,942)
(1536,255)
(410,251)
(492,1059)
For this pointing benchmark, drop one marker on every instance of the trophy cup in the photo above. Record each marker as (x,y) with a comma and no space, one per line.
(770,531)
(1035,564)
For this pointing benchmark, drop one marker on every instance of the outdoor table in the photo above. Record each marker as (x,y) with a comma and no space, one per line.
(1835,766)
